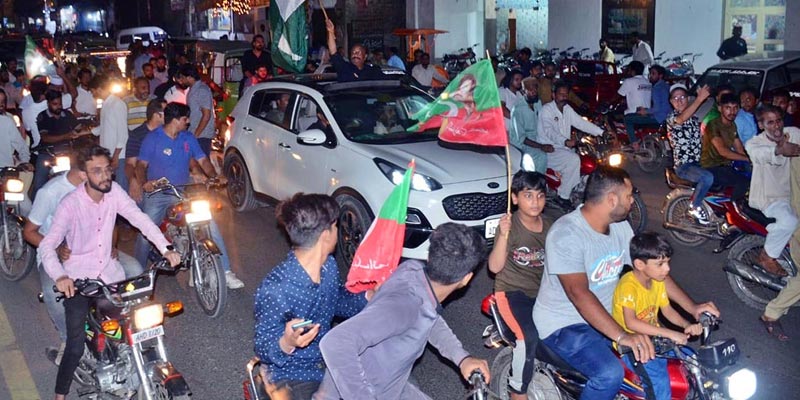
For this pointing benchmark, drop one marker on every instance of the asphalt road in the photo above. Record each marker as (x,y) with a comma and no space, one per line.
(212,353)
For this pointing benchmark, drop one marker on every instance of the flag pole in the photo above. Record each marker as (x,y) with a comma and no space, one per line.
(322,7)
(508,176)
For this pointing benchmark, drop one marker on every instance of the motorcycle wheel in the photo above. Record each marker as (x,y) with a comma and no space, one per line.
(753,294)
(678,213)
(648,158)
(209,282)
(637,217)
(541,387)
(160,393)
(18,262)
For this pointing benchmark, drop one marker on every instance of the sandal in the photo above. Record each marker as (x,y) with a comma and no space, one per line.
(774,328)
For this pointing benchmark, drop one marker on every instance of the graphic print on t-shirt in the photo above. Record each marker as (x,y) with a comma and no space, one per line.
(606,270)
(525,256)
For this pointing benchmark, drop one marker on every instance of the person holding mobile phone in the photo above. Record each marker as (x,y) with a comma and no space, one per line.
(297,301)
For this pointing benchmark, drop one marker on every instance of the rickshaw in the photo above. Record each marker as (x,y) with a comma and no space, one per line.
(594,81)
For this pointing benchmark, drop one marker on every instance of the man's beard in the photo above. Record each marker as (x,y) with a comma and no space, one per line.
(531,99)
(161,69)
(97,186)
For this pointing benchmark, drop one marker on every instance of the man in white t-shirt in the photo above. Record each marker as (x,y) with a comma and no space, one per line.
(641,51)
(638,92)
(85,103)
(33,108)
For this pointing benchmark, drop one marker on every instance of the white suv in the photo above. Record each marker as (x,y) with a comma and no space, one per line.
(281,143)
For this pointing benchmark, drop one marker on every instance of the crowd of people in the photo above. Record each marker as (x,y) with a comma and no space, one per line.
(559,283)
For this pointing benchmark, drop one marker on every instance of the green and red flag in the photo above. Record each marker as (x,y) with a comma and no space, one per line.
(36,62)
(468,111)
(379,253)
(287,20)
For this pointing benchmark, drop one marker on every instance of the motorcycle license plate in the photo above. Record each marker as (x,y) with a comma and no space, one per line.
(147,334)
(490,228)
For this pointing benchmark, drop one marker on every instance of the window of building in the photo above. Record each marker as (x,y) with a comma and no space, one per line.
(763,23)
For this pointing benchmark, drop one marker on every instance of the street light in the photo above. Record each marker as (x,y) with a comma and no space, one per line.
(238,6)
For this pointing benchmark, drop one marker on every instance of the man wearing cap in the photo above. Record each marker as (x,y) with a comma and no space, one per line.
(733,46)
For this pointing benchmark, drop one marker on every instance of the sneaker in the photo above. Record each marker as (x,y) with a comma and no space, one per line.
(699,214)
(232,281)
(55,354)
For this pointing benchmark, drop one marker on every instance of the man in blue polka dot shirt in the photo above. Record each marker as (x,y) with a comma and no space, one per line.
(304,287)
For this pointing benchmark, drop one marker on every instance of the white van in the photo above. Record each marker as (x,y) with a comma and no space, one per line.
(147,34)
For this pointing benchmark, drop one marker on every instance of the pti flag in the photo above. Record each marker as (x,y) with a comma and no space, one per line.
(379,253)
(36,62)
(287,19)
(468,111)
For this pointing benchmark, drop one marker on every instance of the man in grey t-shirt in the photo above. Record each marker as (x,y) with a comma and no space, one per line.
(201,105)
(585,251)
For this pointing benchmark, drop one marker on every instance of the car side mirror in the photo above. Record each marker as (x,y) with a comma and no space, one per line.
(312,137)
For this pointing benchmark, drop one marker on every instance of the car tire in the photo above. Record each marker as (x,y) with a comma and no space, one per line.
(354,221)
(240,187)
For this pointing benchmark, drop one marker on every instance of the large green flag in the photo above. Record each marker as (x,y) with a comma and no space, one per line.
(287,19)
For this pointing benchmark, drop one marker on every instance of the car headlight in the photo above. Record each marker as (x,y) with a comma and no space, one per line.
(527,163)
(741,384)
(201,211)
(148,317)
(395,174)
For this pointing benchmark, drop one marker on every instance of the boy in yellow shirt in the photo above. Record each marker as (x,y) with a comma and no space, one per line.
(639,297)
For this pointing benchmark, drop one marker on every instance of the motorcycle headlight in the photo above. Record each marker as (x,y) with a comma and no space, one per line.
(16,120)
(62,164)
(201,211)
(395,174)
(741,384)
(148,317)
(99,103)
(116,88)
(528,164)
(615,160)
(14,186)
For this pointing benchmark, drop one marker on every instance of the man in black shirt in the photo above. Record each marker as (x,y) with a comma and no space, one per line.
(254,58)
(733,46)
(57,127)
(357,68)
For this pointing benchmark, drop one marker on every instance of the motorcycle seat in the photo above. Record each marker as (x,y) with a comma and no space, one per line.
(675,181)
(755,215)
(547,355)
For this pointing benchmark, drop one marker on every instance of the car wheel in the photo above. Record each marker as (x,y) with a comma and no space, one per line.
(354,221)
(240,188)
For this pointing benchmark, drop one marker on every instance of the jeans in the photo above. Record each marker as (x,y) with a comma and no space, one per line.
(589,352)
(657,372)
(41,173)
(119,175)
(701,176)
(156,208)
(516,309)
(56,310)
(632,120)
(725,176)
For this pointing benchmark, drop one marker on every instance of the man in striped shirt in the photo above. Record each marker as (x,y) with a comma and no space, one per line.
(137,102)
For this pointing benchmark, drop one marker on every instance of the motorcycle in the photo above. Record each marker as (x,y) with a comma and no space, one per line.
(654,148)
(125,354)
(459,61)
(738,227)
(707,373)
(19,257)
(593,152)
(186,226)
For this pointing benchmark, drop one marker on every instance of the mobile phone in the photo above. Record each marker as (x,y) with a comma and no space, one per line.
(305,325)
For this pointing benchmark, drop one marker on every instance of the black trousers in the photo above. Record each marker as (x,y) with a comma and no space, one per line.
(726,176)
(75,309)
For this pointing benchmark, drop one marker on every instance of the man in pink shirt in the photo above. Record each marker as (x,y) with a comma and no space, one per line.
(85,220)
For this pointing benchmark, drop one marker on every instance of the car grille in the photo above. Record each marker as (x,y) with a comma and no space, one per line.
(474,206)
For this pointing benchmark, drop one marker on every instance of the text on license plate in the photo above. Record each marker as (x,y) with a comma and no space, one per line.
(490,228)
(148,334)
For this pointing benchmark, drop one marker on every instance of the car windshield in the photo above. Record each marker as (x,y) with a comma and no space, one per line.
(738,78)
(379,117)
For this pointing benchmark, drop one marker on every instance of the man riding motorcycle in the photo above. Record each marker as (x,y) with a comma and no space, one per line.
(721,146)
(555,124)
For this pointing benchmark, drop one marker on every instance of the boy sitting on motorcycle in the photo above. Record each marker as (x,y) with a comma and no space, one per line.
(518,260)
(297,301)
(640,296)
(770,190)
